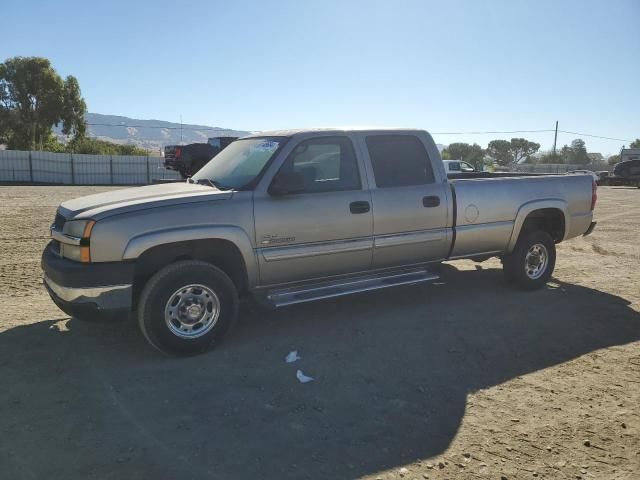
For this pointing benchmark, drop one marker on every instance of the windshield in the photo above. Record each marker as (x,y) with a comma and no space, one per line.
(240,163)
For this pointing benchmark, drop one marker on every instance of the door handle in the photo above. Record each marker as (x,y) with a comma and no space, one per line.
(359,207)
(431,201)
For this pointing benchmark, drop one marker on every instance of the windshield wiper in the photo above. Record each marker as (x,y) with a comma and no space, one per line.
(212,183)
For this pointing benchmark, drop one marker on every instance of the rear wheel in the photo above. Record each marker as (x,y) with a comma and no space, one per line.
(532,261)
(186,306)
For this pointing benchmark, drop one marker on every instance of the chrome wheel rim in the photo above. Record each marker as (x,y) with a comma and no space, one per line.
(192,311)
(536,261)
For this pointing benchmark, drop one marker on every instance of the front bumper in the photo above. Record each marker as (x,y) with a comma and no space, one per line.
(79,287)
(109,297)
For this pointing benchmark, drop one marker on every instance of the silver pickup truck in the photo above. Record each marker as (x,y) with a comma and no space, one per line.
(300,215)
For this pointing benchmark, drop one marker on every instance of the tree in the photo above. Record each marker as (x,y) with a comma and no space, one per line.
(522,148)
(473,154)
(73,109)
(96,147)
(580,152)
(5,124)
(515,151)
(34,98)
(613,159)
(567,155)
(635,143)
(551,158)
(500,151)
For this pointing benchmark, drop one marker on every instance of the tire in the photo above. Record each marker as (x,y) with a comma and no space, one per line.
(187,306)
(532,261)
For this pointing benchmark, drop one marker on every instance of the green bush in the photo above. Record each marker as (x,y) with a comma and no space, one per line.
(94,147)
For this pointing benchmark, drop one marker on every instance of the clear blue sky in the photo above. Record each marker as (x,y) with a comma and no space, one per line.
(445,66)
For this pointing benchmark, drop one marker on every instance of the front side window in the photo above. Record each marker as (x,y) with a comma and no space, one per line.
(465,167)
(399,160)
(327,164)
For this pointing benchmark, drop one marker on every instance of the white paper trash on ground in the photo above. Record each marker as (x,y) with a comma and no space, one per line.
(292,357)
(303,378)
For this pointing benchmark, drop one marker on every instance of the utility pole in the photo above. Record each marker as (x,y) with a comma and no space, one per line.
(555,139)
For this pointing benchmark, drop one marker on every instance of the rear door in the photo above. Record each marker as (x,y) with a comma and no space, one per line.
(409,202)
(324,230)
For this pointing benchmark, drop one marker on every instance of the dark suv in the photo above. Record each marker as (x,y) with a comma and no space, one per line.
(626,173)
(188,159)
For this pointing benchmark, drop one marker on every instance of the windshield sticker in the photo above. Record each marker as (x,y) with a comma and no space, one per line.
(267,145)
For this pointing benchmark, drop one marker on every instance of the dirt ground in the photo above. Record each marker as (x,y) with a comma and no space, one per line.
(466,378)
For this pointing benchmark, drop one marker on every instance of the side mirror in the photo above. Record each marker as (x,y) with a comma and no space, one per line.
(286,183)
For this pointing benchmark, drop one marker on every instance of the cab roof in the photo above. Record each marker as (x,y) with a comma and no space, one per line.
(338,130)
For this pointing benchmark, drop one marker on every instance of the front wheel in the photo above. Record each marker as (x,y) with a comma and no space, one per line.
(186,306)
(532,261)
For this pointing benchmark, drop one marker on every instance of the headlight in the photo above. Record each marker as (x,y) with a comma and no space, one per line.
(80,229)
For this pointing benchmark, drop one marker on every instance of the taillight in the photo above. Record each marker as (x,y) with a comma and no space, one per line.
(594,194)
(178,152)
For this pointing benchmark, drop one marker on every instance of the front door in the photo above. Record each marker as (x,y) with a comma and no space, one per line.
(409,205)
(323,228)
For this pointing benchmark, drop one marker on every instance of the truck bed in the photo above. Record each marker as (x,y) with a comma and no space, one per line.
(488,207)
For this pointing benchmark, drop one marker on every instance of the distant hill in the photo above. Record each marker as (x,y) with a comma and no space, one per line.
(149,134)
(153,134)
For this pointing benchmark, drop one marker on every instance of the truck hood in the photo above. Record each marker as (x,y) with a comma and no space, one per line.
(115,202)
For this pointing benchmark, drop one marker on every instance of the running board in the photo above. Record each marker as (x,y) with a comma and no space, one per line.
(346,286)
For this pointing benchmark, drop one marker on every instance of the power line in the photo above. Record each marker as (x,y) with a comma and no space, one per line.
(534,131)
(596,136)
(475,132)
(492,132)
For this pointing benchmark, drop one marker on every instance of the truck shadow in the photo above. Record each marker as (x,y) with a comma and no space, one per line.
(392,373)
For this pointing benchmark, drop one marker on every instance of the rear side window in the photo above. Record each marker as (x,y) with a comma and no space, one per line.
(399,161)
(328,164)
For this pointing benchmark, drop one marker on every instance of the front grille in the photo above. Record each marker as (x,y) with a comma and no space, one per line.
(58,223)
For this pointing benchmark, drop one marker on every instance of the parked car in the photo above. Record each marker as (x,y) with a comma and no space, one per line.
(603,175)
(300,215)
(458,166)
(625,173)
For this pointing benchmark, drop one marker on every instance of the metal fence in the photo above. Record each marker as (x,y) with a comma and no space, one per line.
(81,169)
(559,167)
